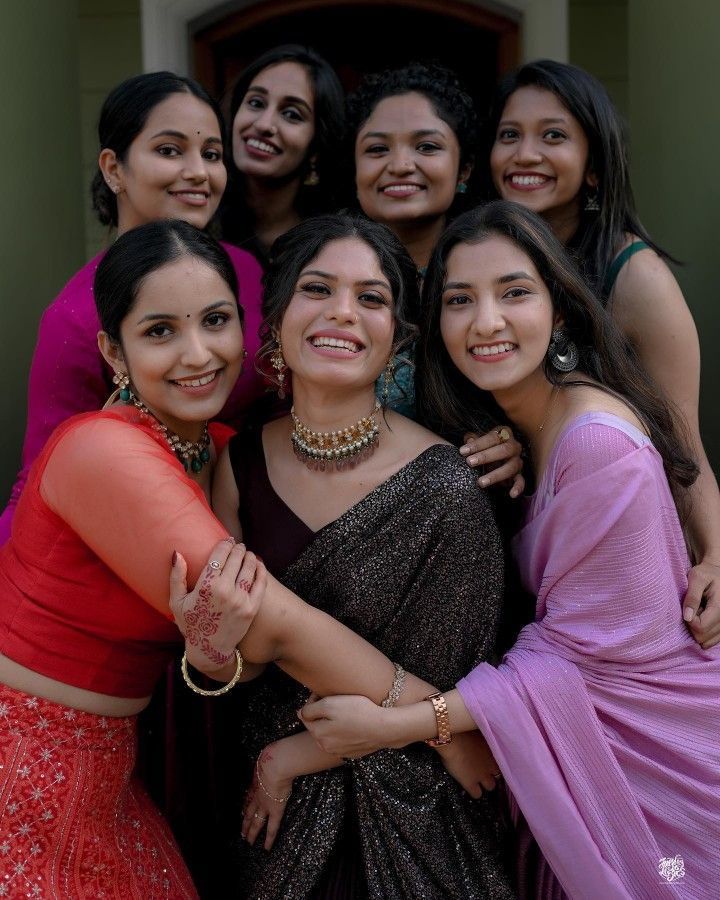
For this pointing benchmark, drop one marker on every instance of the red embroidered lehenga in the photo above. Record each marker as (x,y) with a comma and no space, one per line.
(83,600)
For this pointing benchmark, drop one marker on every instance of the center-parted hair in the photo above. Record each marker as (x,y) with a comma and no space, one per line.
(123,116)
(601,232)
(292,252)
(449,402)
(143,250)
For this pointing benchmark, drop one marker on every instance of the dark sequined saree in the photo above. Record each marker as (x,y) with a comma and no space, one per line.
(416,569)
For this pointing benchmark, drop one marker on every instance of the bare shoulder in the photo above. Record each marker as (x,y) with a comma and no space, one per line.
(646,287)
(592,399)
(415,437)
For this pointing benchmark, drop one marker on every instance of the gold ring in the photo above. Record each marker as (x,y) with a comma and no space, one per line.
(504,434)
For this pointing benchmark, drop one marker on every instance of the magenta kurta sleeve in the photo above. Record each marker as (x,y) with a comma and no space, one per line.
(68,374)
(604,716)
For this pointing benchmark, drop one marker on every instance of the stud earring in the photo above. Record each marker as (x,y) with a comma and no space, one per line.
(277,361)
(562,352)
(461,188)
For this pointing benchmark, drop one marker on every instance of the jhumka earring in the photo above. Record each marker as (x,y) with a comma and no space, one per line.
(388,376)
(312,179)
(277,361)
(591,202)
(562,352)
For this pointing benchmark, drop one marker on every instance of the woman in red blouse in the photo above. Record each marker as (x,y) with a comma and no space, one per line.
(85,623)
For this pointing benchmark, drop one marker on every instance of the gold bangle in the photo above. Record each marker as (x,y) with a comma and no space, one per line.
(442,718)
(222,690)
(397,687)
(265,790)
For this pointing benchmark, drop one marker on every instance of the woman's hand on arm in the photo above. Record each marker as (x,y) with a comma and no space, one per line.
(355,726)
(703,587)
(275,770)
(216,615)
(499,449)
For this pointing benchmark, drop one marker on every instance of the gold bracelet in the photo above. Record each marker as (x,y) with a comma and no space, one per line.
(265,790)
(442,718)
(396,689)
(216,693)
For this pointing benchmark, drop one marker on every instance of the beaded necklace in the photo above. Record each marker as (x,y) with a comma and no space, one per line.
(339,449)
(194,455)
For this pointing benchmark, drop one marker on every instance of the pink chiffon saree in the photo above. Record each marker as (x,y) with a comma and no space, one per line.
(605,715)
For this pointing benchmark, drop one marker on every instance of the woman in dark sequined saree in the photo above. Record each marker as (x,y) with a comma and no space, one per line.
(391,536)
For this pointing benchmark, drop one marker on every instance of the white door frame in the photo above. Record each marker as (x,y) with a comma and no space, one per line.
(166,28)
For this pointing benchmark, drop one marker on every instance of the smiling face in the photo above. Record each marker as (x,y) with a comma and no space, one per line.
(181,344)
(338,327)
(540,155)
(497,315)
(173,169)
(407,162)
(275,123)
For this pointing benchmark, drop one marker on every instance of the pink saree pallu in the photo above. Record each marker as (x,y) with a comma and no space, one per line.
(605,715)
(74,823)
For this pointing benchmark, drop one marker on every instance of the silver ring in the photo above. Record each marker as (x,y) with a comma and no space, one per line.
(214,564)
(258,816)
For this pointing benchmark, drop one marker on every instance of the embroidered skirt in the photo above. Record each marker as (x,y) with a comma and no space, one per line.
(74,822)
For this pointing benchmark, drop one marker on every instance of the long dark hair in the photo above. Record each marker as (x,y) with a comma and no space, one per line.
(439,85)
(602,232)
(293,250)
(142,250)
(123,116)
(329,115)
(449,401)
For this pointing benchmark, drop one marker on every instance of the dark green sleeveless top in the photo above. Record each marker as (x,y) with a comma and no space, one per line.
(617,264)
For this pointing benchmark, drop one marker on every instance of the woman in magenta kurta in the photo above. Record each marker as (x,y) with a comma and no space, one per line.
(603,718)
(161,156)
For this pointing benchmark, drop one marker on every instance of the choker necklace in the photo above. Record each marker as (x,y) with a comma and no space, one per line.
(192,454)
(337,450)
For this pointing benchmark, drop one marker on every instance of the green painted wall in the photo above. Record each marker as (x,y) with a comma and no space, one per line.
(675,126)
(58,60)
(41,226)
(109,50)
(598,43)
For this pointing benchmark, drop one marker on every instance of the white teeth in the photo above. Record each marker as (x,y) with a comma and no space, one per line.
(527,180)
(492,350)
(197,382)
(402,189)
(261,145)
(193,194)
(335,342)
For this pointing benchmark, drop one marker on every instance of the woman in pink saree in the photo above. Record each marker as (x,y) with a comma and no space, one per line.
(603,718)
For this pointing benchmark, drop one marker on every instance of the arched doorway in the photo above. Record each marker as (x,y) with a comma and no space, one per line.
(357,37)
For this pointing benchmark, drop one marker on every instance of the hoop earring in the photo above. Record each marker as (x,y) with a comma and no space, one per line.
(388,376)
(562,352)
(277,361)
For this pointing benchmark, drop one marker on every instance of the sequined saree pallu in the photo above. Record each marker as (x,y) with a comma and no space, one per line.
(73,822)
(416,569)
